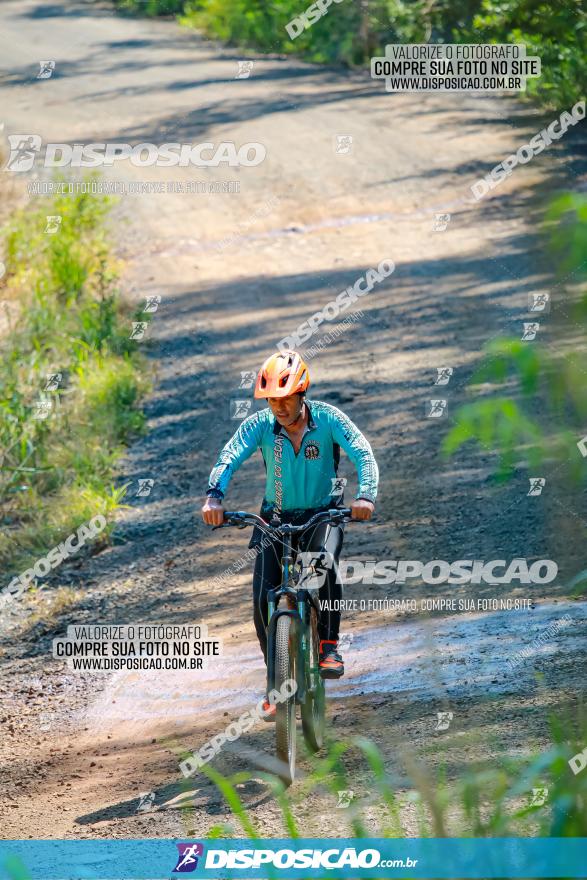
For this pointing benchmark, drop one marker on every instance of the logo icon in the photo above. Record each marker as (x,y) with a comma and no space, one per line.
(314,567)
(436,409)
(582,446)
(23,150)
(45,719)
(53,381)
(345,641)
(539,796)
(343,144)
(244,69)
(530,331)
(53,224)
(441,222)
(46,68)
(146,802)
(187,861)
(43,408)
(144,489)
(443,375)
(338,484)
(537,484)
(239,409)
(247,379)
(344,799)
(138,329)
(444,719)
(539,302)
(152,304)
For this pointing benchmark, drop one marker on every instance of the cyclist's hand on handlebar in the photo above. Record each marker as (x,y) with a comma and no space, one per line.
(362,509)
(213,512)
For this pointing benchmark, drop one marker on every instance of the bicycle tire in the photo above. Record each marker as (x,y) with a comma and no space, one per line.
(314,707)
(285,715)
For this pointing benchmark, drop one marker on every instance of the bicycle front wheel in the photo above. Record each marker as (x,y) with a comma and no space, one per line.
(313,707)
(285,716)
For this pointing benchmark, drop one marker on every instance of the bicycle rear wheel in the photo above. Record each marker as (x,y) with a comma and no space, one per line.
(285,716)
(313,708)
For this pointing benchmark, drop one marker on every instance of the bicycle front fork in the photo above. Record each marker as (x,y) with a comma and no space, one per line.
(299,612)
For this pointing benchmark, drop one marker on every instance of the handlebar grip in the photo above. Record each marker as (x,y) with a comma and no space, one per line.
(234,517)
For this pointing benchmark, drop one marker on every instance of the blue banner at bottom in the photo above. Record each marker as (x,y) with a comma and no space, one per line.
(346,858)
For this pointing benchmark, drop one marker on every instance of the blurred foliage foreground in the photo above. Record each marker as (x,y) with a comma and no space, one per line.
(503,796)
(539,415)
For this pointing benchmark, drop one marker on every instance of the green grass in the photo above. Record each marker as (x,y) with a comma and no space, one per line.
(487,800)
(57,472)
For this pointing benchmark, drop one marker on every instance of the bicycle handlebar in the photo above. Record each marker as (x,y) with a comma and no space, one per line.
(241,518)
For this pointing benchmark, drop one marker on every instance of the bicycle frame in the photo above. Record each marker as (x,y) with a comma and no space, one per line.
(299,600)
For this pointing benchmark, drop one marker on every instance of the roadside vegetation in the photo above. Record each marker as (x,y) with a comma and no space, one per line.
(511,797)
(71,380)
(351,32)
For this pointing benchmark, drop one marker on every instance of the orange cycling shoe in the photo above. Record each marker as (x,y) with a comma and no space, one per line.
(330,662)
(268,711)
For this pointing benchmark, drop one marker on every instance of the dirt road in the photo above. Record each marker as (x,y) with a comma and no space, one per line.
(238,271)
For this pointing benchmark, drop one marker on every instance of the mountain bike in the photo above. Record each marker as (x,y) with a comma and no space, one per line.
(292,636)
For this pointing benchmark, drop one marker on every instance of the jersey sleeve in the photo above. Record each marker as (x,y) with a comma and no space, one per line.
(358,449)
(240,447)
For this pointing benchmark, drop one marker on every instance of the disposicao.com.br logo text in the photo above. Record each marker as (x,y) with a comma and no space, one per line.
(328,859)
(26,148)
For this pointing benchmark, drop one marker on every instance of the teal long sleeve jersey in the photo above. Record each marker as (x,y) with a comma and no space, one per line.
(306,480)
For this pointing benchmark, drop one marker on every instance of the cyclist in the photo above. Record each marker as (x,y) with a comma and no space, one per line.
(300,441)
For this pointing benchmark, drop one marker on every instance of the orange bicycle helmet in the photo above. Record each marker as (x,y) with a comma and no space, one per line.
(281,375)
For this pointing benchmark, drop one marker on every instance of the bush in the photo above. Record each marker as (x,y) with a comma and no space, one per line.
(151,7)
(556,34)
(56,471)
(350,33)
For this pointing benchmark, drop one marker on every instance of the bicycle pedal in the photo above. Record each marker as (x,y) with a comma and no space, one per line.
(331,673)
